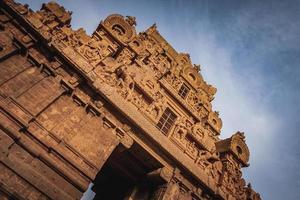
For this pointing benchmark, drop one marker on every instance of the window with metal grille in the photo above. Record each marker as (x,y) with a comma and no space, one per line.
(184,90)
(166,121)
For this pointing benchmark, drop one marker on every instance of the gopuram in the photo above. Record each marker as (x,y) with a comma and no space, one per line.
(119,109)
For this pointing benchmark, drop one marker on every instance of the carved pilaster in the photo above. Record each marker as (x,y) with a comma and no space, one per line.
(160,176)
(177,187)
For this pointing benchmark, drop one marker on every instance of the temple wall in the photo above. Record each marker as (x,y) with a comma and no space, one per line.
(73,105)
(53,141)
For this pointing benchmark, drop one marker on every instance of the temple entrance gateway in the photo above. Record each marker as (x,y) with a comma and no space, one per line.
(122,109)
(125,175)
(110,179)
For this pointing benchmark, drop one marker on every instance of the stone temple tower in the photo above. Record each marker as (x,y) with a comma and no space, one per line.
(119,109)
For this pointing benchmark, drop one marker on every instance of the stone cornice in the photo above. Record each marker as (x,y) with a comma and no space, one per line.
(84,67)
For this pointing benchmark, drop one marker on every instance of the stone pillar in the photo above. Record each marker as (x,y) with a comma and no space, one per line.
(167,188)
(170,188)
(167,191)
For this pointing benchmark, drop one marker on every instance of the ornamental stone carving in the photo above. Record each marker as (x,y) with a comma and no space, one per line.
(78,108)
(122,28)
(236,146)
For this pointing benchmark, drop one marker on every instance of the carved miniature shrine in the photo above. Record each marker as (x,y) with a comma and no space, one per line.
(119,109)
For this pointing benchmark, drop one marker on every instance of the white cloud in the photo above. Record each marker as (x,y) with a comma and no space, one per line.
(242,96)
(239,110)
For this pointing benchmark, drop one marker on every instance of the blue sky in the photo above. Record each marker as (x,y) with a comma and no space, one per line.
(249,50)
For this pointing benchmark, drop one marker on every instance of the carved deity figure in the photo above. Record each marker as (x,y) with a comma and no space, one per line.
(206,160)
(197,130)
(176,69)
(126,80)
(157,106)
(240,189)
(251,194)
(91,52)
(229,178)
(182,126)
(216,170)
(191,149)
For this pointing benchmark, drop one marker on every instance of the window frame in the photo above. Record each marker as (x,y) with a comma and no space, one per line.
(166,121)
(184,90)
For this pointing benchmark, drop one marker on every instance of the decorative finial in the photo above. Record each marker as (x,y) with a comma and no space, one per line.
(187,55)
(249,185)
(152,28)
(131,20)
(197,67)
(240,135)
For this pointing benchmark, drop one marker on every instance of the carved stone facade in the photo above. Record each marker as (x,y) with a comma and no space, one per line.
(120,109)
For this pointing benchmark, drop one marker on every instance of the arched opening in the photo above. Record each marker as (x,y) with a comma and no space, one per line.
(118,29)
